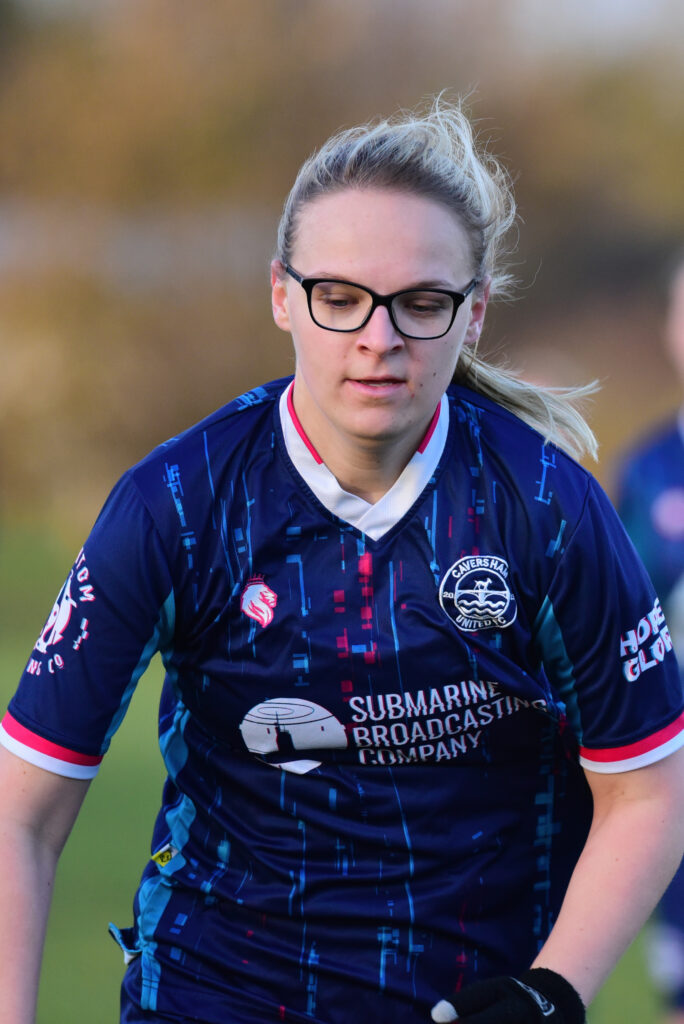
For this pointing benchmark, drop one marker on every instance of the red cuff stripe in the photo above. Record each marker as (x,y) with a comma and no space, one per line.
(657,739)
(35,742)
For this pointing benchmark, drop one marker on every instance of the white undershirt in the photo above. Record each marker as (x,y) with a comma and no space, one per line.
(374,520)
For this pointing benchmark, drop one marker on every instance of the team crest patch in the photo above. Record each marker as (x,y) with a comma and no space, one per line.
(475,593)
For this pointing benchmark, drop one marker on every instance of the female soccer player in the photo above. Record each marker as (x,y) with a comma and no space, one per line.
(651,505)
(421,718)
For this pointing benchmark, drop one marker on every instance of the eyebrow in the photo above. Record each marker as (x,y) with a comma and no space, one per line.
(418,286)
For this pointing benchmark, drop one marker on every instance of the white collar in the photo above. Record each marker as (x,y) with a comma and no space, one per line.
(374,520)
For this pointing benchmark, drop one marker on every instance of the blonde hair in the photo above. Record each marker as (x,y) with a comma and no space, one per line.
(434,153)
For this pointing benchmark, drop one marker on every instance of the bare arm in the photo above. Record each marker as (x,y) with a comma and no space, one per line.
(37,812)
(634,847)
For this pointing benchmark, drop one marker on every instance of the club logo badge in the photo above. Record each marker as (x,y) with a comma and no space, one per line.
(475,594)
(258,601)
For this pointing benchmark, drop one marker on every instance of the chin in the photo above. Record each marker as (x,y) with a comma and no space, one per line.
(381,430)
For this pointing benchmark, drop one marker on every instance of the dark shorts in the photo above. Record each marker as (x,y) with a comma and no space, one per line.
(133,1015)
(132,1012)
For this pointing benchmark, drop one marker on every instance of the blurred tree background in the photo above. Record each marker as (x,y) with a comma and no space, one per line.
(146,150)
(146,147)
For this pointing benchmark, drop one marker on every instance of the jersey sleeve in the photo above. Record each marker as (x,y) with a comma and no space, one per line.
(115,610)
(606,647)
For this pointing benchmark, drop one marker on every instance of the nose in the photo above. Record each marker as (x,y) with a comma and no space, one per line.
(379,334)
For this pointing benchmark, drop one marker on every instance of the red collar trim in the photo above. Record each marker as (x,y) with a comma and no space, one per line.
(302,433)
(298,427)
(430,430)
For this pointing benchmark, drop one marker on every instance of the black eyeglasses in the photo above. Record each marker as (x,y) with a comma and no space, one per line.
(423,313)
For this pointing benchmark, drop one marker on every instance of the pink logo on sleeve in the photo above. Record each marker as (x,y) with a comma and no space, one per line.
(58,620)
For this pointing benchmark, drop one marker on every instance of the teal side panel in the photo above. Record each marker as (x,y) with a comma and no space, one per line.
(557,664)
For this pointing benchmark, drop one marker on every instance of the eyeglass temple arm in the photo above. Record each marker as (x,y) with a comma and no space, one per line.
(293,273)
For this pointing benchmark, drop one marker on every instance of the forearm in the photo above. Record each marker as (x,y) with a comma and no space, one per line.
(26,885)
(633,849)
(37,812)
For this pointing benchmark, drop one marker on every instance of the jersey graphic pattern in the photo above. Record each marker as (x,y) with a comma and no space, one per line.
(361,733)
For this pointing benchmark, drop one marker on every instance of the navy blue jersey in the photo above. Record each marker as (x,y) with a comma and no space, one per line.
(374,718)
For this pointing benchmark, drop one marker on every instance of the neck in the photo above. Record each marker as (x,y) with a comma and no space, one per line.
(366,467)
(367,471)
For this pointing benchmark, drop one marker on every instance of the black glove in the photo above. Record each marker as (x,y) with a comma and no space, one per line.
(538,996)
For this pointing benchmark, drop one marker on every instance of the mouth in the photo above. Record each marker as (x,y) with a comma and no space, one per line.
(378,382)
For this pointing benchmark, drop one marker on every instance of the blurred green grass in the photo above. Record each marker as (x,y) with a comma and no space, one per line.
(103,859)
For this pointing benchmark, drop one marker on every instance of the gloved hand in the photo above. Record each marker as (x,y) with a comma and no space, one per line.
(538,996)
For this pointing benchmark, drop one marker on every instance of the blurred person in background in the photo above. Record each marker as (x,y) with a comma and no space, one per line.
(422,722)
(650,499)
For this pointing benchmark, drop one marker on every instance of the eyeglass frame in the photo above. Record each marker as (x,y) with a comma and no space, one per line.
(309,283)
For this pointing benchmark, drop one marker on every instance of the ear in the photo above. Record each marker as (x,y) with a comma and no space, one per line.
(477,312)
(279,300)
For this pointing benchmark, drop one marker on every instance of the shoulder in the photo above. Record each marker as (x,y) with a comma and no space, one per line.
(509,447)
(223,435)
(184,474)
(495,418)
(541,501)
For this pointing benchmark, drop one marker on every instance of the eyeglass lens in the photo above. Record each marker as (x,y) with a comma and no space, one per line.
(340,306)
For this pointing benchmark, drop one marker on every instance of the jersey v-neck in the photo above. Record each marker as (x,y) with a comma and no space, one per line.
(372,519)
